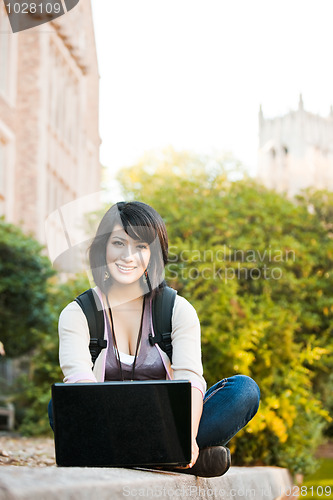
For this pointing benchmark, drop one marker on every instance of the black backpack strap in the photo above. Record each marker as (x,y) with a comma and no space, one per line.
(162,313)
(88,301)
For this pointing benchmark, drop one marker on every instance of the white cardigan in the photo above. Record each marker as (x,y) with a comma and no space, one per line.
(75,358)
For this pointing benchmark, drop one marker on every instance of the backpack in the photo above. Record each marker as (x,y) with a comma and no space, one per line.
(162,307)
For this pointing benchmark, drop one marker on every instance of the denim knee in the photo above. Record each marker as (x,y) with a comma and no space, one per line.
(250,391)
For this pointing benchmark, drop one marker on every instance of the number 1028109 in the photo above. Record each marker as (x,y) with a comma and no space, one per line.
(34,8)
(302,491)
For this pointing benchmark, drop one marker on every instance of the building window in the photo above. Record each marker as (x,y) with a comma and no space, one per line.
(8,59)
(3,148)
(64,100)
(3,160)
(4,51)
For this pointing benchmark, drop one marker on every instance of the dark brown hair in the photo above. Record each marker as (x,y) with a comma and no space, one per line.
(141,222)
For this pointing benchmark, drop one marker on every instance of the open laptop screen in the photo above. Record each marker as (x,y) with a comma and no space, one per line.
(117,424)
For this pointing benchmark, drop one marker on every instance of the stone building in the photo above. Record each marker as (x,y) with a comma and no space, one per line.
(296,151)
(49,139)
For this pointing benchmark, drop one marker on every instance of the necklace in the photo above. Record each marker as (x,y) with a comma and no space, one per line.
(115,341)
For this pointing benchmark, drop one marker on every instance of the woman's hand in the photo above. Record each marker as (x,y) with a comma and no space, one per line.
(194,457)
(195,452)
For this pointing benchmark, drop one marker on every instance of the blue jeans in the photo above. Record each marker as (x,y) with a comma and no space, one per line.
(227,407)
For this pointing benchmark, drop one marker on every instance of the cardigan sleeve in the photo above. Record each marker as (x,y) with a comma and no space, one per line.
(74,338)
(186,344)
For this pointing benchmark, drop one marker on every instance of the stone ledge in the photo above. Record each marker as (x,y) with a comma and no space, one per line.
(239,483)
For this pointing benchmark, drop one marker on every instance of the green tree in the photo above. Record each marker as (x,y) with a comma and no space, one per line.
(320,203)
(256,266)
(33,390)
(24,272)
(31,299)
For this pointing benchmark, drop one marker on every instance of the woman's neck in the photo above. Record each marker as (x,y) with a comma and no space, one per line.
(125,295)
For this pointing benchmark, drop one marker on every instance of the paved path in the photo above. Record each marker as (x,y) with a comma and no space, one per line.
(39,452)
(31,452)
(325,450)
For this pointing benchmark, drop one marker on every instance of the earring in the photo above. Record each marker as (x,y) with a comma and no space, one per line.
(106,275)
(146,279)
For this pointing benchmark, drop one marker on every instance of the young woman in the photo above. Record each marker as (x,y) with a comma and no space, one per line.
(127,259)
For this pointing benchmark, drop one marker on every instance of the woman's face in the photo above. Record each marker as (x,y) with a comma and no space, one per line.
(126,258)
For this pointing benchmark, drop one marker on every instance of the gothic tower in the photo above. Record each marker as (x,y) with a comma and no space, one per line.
(296,151)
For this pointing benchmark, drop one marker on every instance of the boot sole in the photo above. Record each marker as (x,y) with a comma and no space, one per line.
(228,457)
(199,473)
(192,472)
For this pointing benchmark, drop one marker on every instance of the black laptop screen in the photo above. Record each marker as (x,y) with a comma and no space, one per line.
(137,423)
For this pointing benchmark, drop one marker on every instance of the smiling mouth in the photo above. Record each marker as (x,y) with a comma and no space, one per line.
(124,268)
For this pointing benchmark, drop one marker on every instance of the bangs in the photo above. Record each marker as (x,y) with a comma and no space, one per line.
(139,230)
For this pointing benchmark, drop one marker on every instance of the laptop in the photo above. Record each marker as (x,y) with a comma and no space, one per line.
(122,424)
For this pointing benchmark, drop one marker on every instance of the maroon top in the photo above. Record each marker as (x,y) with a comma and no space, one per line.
(149,364)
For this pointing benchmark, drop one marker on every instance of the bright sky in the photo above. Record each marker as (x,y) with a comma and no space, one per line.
(193,73)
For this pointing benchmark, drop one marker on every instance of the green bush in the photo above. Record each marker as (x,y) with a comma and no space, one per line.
(33,390)
(24,273)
